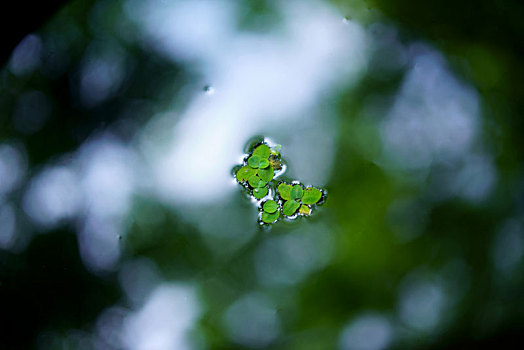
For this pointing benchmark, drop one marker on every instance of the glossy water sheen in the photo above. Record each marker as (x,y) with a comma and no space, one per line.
(121,226)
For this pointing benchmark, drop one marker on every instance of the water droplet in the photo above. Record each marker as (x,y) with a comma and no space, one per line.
(209,90)
(119,237)
(346,19)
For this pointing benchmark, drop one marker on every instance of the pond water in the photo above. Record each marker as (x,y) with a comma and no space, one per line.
(120,214)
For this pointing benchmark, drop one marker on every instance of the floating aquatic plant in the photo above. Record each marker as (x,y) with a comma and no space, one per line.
(294,198)
(258,173)
(270,211)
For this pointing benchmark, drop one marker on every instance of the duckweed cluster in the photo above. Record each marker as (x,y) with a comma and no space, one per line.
(261,174)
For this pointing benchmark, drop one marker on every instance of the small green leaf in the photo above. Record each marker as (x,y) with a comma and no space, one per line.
(253,161)
(304,209)
(266,174)
(296,192)
(245,173)
(311,195)
(264,163)
(260,192)
(290,207)
(261,151)
(285,191)
(270,206)
(255,181)
(270,217)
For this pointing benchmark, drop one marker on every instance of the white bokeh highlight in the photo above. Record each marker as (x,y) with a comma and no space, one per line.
(287,260)
(422,304)
(435,117)
(53,196)
(265,82)
(368,331)
(164,321)
(252,321)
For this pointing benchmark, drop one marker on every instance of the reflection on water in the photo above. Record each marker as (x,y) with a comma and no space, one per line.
(123,122)
(13,165)
(367,332)
(288,259)
(26,56)
(421,305)
(163,321)
(266,82)
(252,321)
(52,196)
(101,74)
(31,112)
(7,226)
(434,117)
(508,247)
(138,278)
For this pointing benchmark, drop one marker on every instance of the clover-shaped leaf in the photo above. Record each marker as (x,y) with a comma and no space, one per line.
(270,206)
(290,207)
(255,181)
(245,173)
(296,192)
(311,195)
(253,161)
(270,217)
(260,192)
(285,191)
(256,162)
(304,209)
(266,174)
(262,151)
(270,213)
(257,175)
(264,163)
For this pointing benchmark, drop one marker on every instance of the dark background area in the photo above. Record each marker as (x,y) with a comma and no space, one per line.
(19,18)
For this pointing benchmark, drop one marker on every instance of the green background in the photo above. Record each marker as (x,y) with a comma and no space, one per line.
(406,253)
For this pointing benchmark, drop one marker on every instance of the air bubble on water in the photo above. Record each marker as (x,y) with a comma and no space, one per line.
(209,90)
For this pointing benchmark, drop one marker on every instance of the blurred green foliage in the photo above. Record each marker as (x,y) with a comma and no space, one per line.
(382,230)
